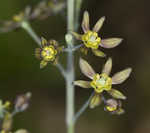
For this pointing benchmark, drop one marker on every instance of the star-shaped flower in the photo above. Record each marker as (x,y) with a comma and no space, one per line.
(48,52)
(102,82)
(92,40)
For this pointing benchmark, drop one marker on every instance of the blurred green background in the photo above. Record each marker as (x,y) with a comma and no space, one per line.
(20,72)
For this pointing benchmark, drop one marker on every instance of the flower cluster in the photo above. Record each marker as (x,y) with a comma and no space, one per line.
(48,52)
(41,11)
(102,82)
(6,116)
(91,39)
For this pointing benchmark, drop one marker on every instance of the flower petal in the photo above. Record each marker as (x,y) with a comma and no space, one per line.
(98,53)
(95,101)
(84,50)
(43,64)
(86,69)
(27,11)
(116,94)
(99,24)
(107,67)
(38,53)
(43,41)
(85,22)
(76,35)
(120,111)
(110,42)
(120,77)
(83,84)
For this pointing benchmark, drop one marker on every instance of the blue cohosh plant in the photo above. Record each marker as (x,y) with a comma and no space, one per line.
(49,52)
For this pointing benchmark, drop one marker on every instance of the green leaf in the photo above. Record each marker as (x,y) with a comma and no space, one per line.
(110,42)
(83,84)
(86,69)
(120,77)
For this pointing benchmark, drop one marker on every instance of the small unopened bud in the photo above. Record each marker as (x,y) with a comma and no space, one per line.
(111,105)
(22,102)
(7,123)
(22,131)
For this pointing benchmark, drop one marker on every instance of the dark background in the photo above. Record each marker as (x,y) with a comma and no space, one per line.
(20,72)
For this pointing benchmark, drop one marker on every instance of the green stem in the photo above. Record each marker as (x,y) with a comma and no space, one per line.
(83,108)
(26,26)
(70,93)
(77,12)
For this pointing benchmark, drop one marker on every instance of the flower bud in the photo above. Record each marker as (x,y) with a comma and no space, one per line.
(22,102)
(7,122)
(22,131)
(111,105)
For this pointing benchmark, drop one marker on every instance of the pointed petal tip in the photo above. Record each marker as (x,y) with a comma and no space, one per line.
(86,11)
(81,59)
(103,17)
(129,69)
(121,39)
(109,59)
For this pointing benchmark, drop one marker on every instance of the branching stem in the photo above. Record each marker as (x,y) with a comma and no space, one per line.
(26,26)
(83,108)
(70,93)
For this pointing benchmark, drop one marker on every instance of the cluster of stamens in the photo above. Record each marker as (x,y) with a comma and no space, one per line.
(101,82)
(91,40)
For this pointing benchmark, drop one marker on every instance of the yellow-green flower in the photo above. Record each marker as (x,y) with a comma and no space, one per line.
(114,107)
(102,82)
(3,108)
(92,40)
(48,52)
(16,20)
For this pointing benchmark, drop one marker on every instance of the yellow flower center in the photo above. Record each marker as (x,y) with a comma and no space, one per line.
(91,40)
(48,53)
(111,108)
(18,18)
(101,82)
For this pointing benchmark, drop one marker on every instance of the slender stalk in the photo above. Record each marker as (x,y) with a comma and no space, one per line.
(26,26)
(70,15)
(77,12)
(63,72)
(83,108)
(70,93)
